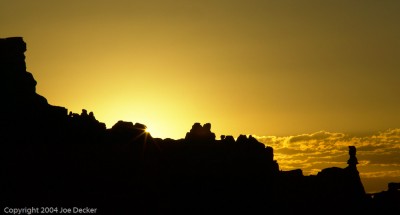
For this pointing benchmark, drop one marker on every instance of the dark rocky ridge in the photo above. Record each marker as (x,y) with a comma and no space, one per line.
(52,158)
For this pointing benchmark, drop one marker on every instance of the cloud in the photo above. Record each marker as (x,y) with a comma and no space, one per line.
(321,135)
(378,154)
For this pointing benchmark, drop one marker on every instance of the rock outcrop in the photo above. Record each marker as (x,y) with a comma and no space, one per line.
(200,134)
(22,108)
(73,160)
(387,202)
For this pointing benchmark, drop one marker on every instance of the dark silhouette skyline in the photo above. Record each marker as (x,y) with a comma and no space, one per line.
(54,158)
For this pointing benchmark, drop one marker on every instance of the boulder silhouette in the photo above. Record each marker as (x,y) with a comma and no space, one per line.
(200,134)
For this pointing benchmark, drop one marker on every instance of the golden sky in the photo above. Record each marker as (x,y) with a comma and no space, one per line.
(254,67)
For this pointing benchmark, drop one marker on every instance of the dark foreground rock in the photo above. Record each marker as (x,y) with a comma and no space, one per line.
(52,158)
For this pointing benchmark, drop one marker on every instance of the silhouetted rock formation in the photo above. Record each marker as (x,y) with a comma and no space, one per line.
(52,158)
(387,202)
(227,139)
(352,162)
(128,127)
(127,131)
(298,173)
(22,108)
(343,182)
(393,187)
(200,134)
(332,191)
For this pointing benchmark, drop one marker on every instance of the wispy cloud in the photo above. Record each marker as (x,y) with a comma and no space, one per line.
(378,154)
